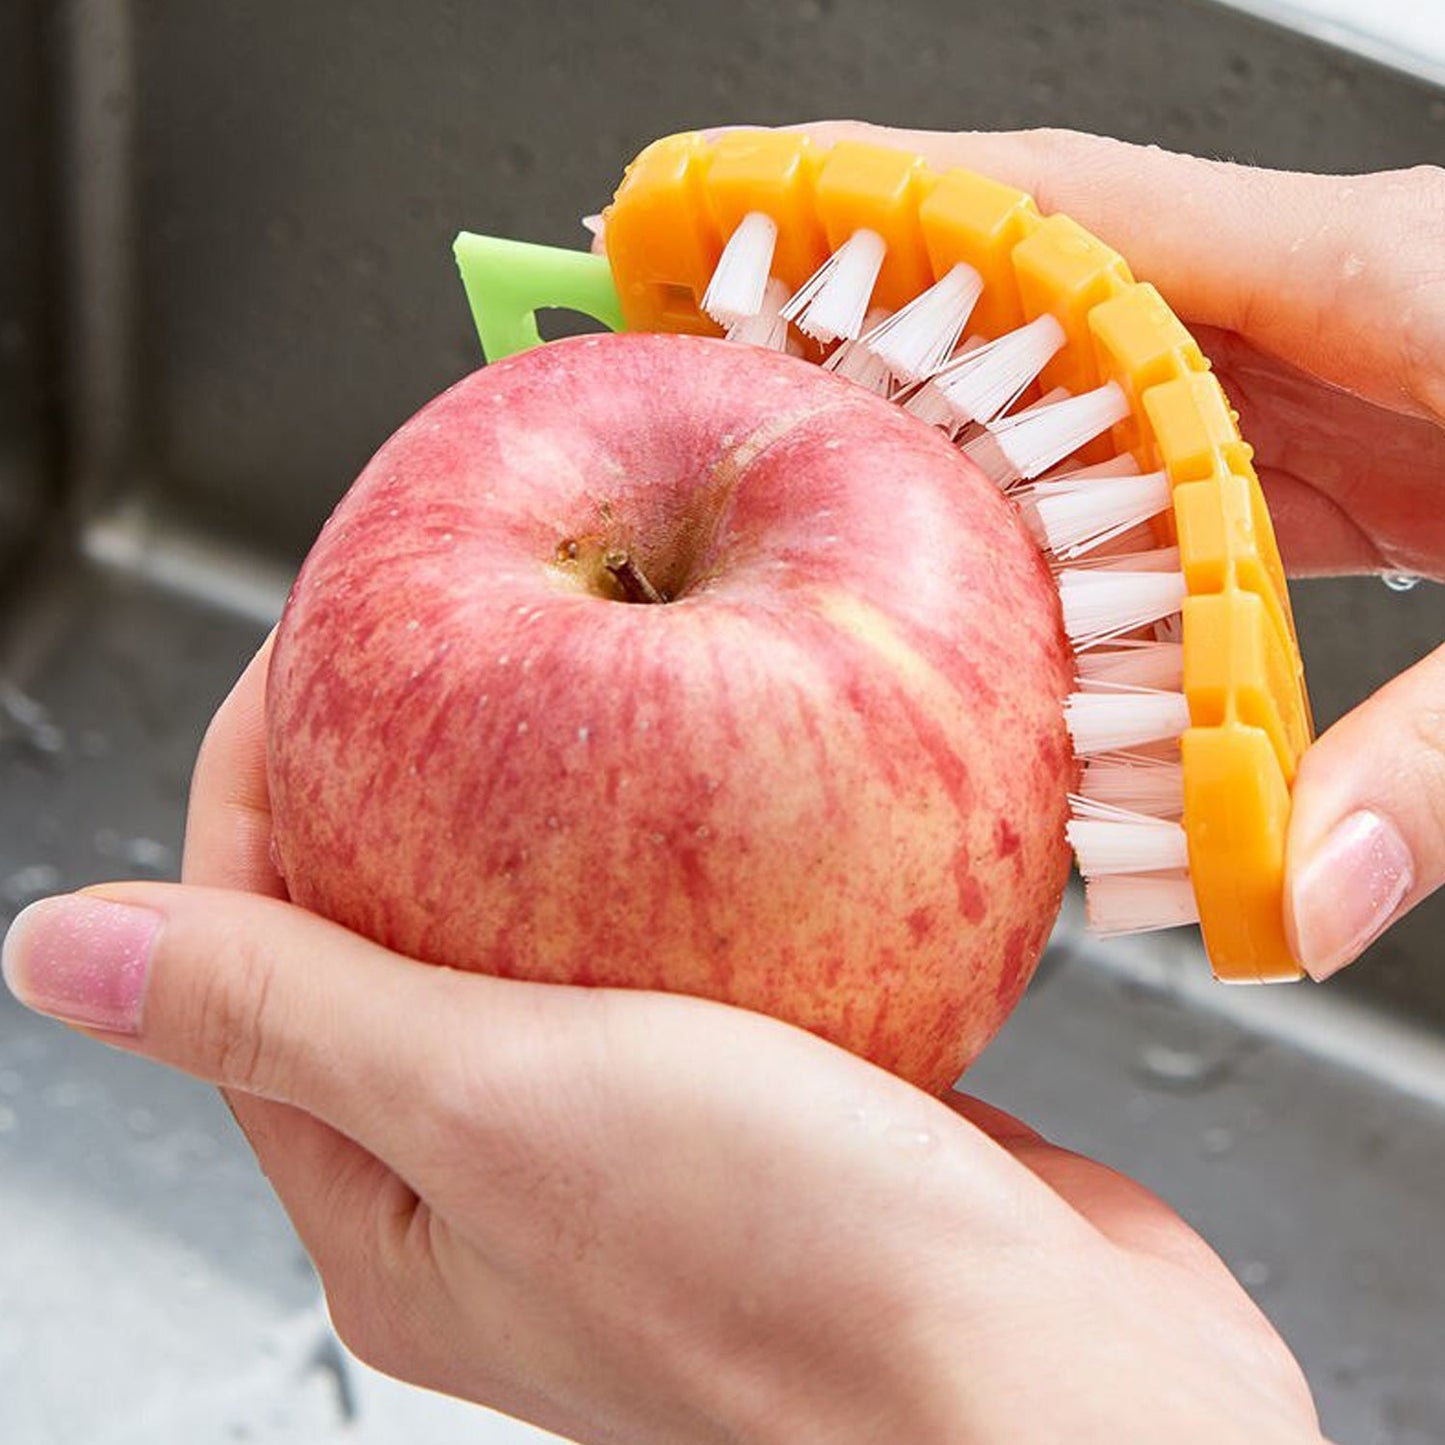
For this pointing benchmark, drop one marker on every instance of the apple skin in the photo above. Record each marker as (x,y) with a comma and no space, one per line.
(827,782)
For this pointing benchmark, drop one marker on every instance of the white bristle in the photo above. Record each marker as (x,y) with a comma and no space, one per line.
(853,360)
(920,337)
(1108,718)
(1078,515)
(1128,904)
(1059,393)
(1136,663)
(1156,559)
(767,329)
(1123,465)
(1036,440)
(735,292)
(1135,782)
(833,301)
(984,382)
(928,405)
(1102,604)
(1171,629)
(1109,840)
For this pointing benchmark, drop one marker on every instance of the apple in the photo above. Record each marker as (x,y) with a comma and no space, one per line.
(662,662)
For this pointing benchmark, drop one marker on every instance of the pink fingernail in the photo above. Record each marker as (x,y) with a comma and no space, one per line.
(1348,892)
(83,960)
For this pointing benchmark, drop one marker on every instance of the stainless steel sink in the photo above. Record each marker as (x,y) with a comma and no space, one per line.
(225,278)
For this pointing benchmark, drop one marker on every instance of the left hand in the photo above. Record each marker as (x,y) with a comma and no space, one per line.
(628,1215)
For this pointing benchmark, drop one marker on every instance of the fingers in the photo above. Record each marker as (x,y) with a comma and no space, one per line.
(1122,1211)
(1367,835)
(228,824)
(1338,273)
(248,993)
(1003,1128)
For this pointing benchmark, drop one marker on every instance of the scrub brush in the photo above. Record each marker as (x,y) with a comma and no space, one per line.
(1082,396)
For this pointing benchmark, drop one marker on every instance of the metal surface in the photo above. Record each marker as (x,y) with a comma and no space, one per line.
(226,278)
(1407,35)
(25,275)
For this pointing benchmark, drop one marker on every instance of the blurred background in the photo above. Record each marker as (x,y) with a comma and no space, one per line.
(225,277)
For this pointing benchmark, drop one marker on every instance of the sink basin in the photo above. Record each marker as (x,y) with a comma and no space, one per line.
(232,284)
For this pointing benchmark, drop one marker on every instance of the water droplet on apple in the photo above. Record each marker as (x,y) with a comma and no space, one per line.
(413,625)
(583,734)
(552,820)
(523,726)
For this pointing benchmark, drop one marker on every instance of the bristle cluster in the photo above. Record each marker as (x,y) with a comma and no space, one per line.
(984,381)
(1077,515)
(765,327)
(832,302)
(916,340)
(735,293)
(1121,590)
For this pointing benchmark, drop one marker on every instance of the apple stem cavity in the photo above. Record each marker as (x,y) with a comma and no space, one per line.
(631,580)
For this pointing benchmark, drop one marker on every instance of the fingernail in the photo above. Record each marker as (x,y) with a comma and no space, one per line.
(1345,896)
(83,960)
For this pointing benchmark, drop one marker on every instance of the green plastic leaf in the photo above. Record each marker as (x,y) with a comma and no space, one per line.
(508,282)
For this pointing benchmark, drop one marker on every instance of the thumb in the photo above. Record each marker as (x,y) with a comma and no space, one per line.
(1367,835)
(249,993)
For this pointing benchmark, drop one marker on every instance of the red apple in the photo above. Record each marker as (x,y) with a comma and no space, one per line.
(660,662)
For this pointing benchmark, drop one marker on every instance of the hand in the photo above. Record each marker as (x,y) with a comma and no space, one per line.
(643,1217)
(1321,301)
